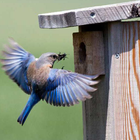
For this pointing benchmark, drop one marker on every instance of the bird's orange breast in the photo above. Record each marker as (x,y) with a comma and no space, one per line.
(39,76)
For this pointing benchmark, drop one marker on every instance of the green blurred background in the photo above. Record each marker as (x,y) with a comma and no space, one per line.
(19,19)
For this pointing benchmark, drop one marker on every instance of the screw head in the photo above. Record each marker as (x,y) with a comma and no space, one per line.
(117,55)
(92,15)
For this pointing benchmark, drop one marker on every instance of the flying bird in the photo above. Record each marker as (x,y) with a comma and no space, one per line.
(37,78)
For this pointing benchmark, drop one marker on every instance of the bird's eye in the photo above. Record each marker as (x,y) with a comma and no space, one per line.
(54,56)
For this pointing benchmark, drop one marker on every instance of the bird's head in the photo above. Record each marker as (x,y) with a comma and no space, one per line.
(49,58)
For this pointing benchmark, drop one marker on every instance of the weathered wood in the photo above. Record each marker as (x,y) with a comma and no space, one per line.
(91,15)
(112,48)
(123,120)
(114,111)
(95,109)
(94,52)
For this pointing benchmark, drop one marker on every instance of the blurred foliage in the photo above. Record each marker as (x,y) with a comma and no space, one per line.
(19,19)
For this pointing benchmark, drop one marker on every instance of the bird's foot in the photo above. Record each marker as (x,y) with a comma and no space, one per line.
(62,67)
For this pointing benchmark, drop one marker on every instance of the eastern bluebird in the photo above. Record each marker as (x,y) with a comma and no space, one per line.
(38,78)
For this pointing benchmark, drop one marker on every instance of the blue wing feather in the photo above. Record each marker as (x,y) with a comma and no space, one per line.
(65,96)
(73,95)
(69,95)
(62,96)
(47,96)
(51,97)
(15,64)
(68,91)
(75,100)
(54,97)
(67,88)
(65,92)
(57,97)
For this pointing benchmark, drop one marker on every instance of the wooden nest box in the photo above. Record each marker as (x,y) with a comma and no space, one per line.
(106,45)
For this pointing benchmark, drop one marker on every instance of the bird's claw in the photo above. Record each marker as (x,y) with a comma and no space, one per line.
(62,67)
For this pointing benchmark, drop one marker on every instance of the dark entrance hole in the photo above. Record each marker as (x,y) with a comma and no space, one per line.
(82,52)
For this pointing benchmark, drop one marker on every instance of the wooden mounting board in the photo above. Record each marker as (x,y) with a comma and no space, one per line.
(85,16)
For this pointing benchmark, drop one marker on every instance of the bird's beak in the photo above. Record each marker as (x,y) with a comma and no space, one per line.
(61,56)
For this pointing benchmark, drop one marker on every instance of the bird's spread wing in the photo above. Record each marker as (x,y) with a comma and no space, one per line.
(65,88)
(15,63)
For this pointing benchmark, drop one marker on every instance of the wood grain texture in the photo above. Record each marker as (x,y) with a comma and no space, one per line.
(114,111)
(95,109)
(85,16)
(123,120)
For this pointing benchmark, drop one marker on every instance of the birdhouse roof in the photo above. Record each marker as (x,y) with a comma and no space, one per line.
(91,15)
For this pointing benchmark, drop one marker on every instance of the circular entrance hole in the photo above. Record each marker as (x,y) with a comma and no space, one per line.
(82,52)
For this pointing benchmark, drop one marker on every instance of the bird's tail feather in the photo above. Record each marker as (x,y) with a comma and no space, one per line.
(31,102)
(24,114)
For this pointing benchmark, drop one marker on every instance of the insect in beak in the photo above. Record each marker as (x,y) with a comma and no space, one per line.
(61,56)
